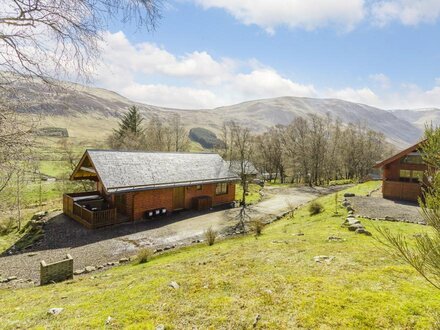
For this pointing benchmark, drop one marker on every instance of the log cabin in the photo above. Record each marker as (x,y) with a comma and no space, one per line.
(403,175)
(136,185)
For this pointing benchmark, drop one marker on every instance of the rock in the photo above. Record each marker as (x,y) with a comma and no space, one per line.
(334,239)
(257,318)
(349,208)
(109,320)
(268,291)
(122,260)
(355,227)
(349,195)
(55,311)
(174,285)
(90,269)
(11,278)
(298,234)
(345,203)
(158,250)
(39,215)
(100,267)
(321,259)
(363,231)
(160,327)
(79,271)
(352,221)
(351,212)
(32,254)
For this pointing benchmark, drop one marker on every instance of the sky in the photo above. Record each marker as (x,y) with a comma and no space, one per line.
(211,53)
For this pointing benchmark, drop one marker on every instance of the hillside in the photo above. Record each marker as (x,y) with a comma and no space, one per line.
(271,282)
(419,117)
(83,110)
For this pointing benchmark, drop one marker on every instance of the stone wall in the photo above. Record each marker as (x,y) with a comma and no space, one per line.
(57,271)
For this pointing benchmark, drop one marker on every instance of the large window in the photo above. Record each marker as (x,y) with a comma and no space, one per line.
(411,176)
(221,188)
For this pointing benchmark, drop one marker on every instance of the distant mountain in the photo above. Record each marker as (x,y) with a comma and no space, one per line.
(401,127)
(420,117)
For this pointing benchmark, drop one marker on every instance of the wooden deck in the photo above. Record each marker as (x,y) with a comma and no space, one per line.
(91,219)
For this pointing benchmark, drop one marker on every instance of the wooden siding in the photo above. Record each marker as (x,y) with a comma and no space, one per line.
(140,202)
(407,191)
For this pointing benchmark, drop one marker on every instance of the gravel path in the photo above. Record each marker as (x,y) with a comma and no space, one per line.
(376,207)
(100,246)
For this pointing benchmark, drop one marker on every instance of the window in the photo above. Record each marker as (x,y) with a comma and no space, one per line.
(221,188)
(411,176)
(413,158)
(199,187)
(417,176)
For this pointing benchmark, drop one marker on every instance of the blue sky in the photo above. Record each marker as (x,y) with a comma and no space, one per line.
(208,53)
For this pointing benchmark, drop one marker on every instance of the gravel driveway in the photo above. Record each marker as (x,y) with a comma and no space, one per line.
(97,247)
(376,207)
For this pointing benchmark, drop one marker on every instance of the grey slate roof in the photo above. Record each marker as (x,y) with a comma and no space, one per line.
(122,171)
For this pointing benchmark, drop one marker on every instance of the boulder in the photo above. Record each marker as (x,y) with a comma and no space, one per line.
(90,269)
(334,239)
(321,259)
(39,215)
(79,271)
(363,231)
(122,260)
(55,311)
(355,227)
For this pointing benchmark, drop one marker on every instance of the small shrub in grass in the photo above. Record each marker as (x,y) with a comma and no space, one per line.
(315,208)
(7,226)
(144,255)
(257,226)
(210,236)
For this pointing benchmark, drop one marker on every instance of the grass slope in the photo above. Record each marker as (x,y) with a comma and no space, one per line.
(228,284)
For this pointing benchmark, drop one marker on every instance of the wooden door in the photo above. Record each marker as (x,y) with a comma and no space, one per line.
(179,198)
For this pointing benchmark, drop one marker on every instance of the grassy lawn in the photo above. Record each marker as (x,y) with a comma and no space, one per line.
(55,168)
(228,284)
(253,196)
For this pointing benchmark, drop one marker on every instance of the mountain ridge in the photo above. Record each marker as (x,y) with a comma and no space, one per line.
(401,127)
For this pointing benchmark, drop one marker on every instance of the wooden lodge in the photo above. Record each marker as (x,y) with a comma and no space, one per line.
(134,185)
(403,175)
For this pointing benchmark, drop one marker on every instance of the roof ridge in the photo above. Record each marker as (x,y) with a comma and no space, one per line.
(155,152)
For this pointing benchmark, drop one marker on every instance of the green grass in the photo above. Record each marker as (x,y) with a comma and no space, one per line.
(253,194)
(54,168)
(228,284)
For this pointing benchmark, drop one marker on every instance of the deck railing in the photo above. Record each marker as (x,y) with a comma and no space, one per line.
(91,219)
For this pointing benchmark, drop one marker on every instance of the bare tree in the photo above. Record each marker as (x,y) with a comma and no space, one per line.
(47,38)
(178,139)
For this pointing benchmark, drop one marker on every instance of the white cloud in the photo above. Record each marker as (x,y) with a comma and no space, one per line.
(304,14)
(362,95)
(380,79)
(150,74)
(407,12)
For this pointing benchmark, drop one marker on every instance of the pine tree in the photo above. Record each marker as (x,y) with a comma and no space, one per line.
(131,122)
(131,134)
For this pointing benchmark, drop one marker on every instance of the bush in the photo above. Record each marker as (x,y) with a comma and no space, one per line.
(210,236)
(144,255)
(315,208)
(7,226)
(257,226)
